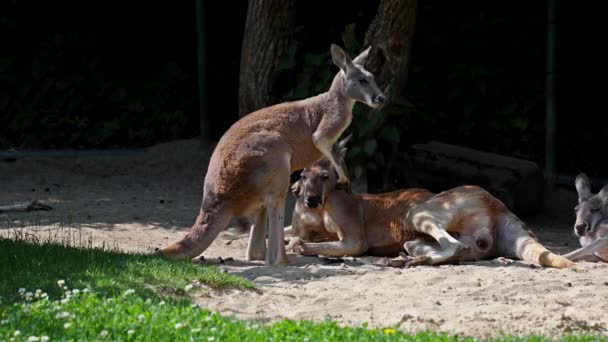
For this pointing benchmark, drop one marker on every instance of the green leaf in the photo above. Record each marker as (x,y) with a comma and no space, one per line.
(390,133)
(354,151)
(370,146)
(289,61)
(358,171)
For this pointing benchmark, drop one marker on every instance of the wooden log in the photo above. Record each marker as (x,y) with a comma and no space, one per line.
(518,183)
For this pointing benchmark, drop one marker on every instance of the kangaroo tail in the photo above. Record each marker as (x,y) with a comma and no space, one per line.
(207,227)
(531,250)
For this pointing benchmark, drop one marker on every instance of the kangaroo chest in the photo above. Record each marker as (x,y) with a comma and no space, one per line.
(330,225)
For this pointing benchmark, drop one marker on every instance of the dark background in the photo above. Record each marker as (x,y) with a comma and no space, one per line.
(122,74)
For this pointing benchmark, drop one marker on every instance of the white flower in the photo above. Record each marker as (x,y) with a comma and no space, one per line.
(75,291)
(44,295)
(4,321)
(67,325)
(21,290)
(62,314)
(188,287)
(207,318)
(162,302)
(33,339)
(129,291)
(86,290)
(65,300)
(44,339)
(148,301)
(103,333)
(131,332)
(39,291)
(178,326)
(213,329)
(195,330)
(109,300)
(141,318)
(65,288)
(17,333)
(60,282)
(210,338)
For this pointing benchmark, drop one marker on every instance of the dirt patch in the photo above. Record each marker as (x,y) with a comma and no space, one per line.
(149,200)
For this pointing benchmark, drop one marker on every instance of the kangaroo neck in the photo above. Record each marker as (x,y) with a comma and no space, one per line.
(336,98)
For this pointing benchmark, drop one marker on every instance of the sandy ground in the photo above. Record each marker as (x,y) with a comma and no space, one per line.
(140,202)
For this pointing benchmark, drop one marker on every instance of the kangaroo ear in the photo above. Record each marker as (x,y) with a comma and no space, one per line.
(583,187)
(340,58)
(342,143)
(603,194)
(362,58)
(296,187)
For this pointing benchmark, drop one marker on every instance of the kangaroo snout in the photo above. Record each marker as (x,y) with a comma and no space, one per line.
(379,100)
(312,201)
(581,228)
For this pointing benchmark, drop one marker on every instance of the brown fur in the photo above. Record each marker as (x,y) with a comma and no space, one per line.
(248,174)
(423,224)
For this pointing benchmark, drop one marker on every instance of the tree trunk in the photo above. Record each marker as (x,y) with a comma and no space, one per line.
(266,40)
(390,34)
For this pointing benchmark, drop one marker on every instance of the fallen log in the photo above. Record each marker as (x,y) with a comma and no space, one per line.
(518,183)
(24,207)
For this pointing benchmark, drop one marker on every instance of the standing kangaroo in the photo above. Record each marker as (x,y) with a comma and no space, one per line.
(248,174)
(591,224)
(464,223)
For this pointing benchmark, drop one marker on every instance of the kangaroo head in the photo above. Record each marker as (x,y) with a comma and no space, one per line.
(357,83)
(321,178)
(591,211)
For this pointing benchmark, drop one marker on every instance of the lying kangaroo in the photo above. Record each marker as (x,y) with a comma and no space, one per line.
(248,174)
(591,224)
(464,223)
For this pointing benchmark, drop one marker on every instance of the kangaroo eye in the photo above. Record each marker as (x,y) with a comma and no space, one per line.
(363,81)
(594,210)
(324,176)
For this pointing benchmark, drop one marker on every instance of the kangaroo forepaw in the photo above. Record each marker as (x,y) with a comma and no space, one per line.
(296,245)
(417,261)
(409,261)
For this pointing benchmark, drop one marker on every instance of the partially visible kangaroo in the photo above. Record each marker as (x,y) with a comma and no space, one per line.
(591,224)
(464,223)
(248,174)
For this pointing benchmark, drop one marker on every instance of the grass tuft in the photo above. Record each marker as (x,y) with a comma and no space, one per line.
(39,266)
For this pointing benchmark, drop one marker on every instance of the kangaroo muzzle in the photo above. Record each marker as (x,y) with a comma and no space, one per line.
(312,201)
(379,100)
(581,228)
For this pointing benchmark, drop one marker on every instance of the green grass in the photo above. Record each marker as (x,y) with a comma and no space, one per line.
(53,292)
(39,266)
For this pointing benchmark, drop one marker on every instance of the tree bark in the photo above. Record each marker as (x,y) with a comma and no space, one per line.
(390,35)
(266,40)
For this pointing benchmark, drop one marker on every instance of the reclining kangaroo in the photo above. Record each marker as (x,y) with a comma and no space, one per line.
(464,223)
(249,170)
(591,224)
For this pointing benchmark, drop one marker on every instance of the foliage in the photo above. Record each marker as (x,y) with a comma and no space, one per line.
(60,96)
